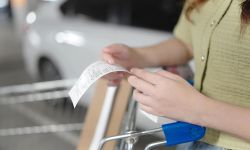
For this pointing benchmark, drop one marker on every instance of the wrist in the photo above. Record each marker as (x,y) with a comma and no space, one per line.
(139,59)
(200,110)
(206,112)
(144,58)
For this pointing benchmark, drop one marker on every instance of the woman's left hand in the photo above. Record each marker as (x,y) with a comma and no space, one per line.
(166,94)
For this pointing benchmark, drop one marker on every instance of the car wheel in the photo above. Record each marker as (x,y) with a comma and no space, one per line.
(49,72)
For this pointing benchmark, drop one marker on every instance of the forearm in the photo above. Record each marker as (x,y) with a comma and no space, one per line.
(225,117)
(171,52)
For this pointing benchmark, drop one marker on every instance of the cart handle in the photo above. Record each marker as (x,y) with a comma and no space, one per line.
(182,132)
(175,133)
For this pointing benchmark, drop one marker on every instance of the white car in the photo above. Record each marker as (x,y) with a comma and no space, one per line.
(5,9)
(60,45)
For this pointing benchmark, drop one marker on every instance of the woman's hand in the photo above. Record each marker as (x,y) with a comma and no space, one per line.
(166,94)
(122,55)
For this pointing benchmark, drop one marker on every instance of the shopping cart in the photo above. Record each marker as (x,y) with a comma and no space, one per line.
(32,93)
(175,133)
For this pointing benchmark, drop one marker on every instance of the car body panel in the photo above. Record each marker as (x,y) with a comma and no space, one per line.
(50,36)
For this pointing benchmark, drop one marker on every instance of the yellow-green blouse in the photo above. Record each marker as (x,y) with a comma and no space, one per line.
(222,59)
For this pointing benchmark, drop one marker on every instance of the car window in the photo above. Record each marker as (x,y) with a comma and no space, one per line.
(153,14)
(3,3)
(97,9)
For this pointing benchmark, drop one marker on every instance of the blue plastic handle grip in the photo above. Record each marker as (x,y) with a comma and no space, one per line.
(181,132)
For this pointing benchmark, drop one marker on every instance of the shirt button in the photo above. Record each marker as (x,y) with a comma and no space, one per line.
(202,58)
(213,23)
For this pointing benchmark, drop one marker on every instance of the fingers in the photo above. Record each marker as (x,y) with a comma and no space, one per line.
(141,85)
(109,52)
(115,76)
(114,82)
(108,58)
(141,98)
(145,102)
(114,53)
(113,49)
(150,77)
(146,109)
(169,75)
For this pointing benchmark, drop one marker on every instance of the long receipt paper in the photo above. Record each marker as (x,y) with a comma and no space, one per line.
(90,75)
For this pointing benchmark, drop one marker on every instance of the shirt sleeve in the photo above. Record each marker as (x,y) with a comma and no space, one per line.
(182,29)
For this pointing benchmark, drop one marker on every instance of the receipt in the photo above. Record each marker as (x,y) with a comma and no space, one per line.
(150,116)
(91,74)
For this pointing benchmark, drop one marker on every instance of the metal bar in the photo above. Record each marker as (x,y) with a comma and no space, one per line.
(113,138)
(41,129)
(124,136)
(35,87)
(146,132)
(130,146)
(54,95)
(129,125)
(131,116)
(155,144)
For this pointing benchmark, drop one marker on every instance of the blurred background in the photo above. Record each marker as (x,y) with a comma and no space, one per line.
(47,40)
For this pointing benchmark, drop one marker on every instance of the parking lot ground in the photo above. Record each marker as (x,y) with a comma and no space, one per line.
(12,72)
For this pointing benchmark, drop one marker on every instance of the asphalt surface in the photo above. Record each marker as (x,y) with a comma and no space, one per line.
(12,72)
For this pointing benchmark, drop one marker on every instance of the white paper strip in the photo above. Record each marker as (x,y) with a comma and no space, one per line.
(91,74)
